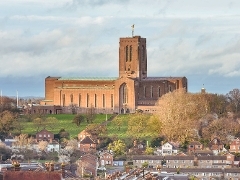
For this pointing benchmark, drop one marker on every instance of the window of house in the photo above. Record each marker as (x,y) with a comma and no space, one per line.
(44,135)
(39,135)
(48,135)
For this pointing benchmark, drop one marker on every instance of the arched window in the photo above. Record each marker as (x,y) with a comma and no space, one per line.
(71,98)
(125,94)
(126,53)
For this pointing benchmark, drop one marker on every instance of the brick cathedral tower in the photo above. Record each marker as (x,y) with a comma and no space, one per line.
(133,57)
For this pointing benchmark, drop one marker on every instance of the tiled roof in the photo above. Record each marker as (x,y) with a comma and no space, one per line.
(87,140)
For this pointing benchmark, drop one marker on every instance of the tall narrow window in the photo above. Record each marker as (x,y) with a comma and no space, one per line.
(111,100)
(103,100)
(159,91)
(71,98)
(151,91)
(79,100)
(125,94)
(87,100)
(95,99)
(130,53)
(143,53)
(170,88)
(144,91)
(126,53)
(63,97)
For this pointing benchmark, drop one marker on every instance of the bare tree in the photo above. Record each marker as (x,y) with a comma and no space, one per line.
(234,99)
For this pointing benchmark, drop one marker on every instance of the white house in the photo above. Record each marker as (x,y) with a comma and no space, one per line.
(167,149)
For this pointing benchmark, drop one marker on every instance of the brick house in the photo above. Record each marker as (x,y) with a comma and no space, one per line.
(87,145)
(44,135)
(87,164)
(235,146)
(216,145)
(193,146)
(106,158)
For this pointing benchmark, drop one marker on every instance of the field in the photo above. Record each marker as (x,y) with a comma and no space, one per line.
(64,122)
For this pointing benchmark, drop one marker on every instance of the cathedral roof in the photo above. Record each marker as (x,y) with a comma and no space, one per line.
(89,78)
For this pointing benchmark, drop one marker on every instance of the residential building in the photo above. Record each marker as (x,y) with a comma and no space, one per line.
(235,146)
(106,158)
(193,146)
(87,145)
(44,135)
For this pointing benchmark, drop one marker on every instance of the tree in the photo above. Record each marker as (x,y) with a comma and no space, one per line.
(179,113)
(7,122)
(234,99)
(63,134)
(149,151)
(96,130)
(45,122)
(118,147)
(118,121)
(222,128)
(137,124)
(42,145)
(90,114)
(22,141)
(78,119)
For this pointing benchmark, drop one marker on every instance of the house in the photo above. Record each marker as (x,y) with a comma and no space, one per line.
(235,146)
(180,161)
(106,158)
(212,161)
(87,145)
(87,164)
(216,146)
(83,134)
(9,141)
(53,146)
(44,135)
(168,149)
(193,146)
(230,158)
(152,160)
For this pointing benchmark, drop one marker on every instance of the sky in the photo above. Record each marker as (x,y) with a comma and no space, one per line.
(80,38)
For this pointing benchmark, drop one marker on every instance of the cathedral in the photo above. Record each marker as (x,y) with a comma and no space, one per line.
(132,90)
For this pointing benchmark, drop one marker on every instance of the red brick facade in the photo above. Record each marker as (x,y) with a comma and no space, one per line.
(132,90)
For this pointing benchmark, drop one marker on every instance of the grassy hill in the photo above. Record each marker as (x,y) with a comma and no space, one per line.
(64,122)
